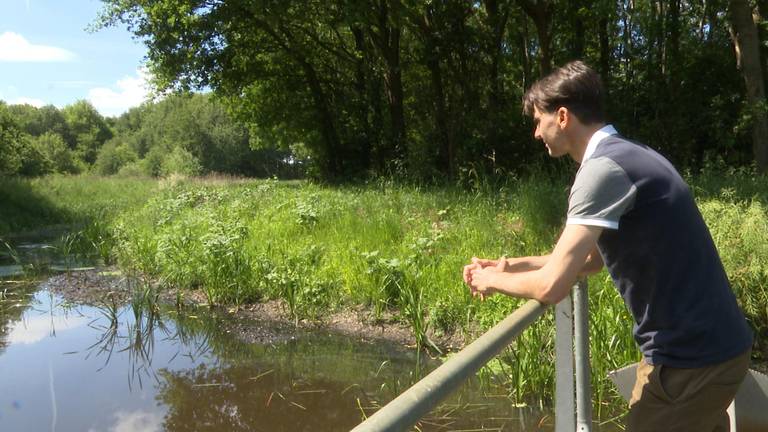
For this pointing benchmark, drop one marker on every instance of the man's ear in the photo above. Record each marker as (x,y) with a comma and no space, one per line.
(563,117)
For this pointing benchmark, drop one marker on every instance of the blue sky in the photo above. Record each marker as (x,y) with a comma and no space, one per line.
(48,57)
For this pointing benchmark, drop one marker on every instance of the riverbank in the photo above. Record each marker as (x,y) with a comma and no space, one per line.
(263,323)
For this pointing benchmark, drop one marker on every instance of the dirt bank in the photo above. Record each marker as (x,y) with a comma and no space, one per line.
(266,322)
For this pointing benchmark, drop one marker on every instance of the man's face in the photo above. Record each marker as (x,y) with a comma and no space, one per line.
(549,129)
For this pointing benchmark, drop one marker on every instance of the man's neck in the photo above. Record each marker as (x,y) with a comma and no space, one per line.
(580,138)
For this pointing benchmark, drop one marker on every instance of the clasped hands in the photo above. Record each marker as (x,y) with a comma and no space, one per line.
(482,275)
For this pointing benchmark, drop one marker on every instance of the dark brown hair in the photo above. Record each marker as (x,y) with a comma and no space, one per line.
(574,86)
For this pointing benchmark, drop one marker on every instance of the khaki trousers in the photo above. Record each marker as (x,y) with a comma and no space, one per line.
(685,400)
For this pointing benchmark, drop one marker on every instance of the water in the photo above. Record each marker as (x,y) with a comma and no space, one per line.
(83,368)
(53,250)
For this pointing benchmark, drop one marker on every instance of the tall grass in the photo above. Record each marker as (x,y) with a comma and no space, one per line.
(29,204)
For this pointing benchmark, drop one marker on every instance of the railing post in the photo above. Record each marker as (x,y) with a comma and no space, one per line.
(581,347)
(564,400)
(572,350)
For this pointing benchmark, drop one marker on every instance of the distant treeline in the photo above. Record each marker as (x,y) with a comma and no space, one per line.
(187,134)
(432,88)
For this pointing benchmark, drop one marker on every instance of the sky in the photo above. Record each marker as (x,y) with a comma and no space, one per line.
(48,57)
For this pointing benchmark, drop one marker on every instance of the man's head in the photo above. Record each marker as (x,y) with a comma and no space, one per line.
(574,86)
(566,106)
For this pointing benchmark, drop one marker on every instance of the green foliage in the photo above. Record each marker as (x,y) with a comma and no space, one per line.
(89,130)
(382,89)
(112,157)
(735,207)
(400,250)
(10,143)
(180,161)
(199,125)
(34,158)
(226,267)
(61,157)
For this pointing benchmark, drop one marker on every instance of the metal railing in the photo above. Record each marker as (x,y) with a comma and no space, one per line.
(406,410)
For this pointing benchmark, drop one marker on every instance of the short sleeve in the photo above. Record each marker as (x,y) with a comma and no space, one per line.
(601,194)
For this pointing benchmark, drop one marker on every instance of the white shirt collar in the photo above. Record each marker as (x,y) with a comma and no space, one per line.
(598,136)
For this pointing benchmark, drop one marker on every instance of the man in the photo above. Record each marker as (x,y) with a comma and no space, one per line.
(631,211)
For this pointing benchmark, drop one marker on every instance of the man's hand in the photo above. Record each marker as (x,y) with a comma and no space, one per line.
(481,263)
(481,275)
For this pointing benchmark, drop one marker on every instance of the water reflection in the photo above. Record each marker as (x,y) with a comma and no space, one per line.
(139,368)
(34,328)
(47,251)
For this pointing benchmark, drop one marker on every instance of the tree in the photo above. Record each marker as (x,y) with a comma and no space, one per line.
(113,156)
(432,87)
(10,142)
(54,148)
(88,129)
(747,47)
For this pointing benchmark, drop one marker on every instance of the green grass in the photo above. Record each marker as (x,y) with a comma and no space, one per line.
(398,249)
(30,204)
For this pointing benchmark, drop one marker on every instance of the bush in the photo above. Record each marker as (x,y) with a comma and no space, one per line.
(34,160)
(112,157)
(181,162)
(61,157)
(10,143)
(134,169)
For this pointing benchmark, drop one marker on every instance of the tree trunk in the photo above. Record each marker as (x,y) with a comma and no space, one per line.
(577,24)
(762,15)
(605,52)
(525,53)
(542,13)
(361,87)
(497,23)
(746,43)
(423,21)
(672,46)
(387,40)
(325,118)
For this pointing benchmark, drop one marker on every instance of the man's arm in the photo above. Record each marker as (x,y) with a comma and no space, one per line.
(553,281)
(593,264)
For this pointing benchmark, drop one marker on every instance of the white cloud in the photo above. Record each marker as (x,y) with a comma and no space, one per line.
(130,91)
(37,328)
(14,48)
(137,421)
(29,101)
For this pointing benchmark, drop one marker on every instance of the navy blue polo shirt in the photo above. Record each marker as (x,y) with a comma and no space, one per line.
(659,254)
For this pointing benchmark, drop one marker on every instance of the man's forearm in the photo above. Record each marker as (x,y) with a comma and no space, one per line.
(524,264)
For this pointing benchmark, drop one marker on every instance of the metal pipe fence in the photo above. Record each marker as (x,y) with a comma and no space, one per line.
(410,406)
(405,410)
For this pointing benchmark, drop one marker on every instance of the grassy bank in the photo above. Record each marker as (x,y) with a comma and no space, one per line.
(30,204)
(400,249)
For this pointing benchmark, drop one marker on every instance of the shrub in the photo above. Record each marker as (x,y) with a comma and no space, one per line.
(182,162)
